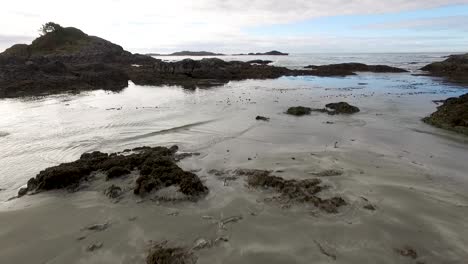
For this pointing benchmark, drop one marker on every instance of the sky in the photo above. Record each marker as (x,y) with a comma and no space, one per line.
(233,26)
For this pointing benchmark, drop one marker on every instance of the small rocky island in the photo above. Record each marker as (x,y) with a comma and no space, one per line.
(269,53)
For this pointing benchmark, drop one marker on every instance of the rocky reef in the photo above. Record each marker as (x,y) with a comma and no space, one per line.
(331,109)
(454,68)
(351,68)
(451,115)
(156,168)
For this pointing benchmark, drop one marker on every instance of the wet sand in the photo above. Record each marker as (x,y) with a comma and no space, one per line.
(413,174)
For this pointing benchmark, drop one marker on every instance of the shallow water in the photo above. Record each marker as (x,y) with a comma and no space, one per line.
(414,173)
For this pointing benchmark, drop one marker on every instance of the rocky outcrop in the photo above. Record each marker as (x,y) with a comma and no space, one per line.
(451,115)
(351,68)
(156,166)
(454,68)
(190,73)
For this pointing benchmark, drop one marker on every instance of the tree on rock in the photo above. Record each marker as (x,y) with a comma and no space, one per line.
(49,27)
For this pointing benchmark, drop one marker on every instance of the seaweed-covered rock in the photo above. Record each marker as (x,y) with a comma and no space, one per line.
(342,108)
(299,111)
(156,165)
(451,115)
(455,68)
(300,191)
(161,253)
(337,108)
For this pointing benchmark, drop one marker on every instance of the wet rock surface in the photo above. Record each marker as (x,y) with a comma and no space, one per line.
(162,253)
(451,115)
(299,111)
(454,68)
(156,166)
(293,191)
(262,118)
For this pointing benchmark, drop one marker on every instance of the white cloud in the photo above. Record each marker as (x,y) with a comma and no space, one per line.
(169,25)
(438,23)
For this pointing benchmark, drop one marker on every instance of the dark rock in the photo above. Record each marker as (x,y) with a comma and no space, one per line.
(97,227)
(269,53)
(94,247)
(113,191)
(161,253)
(454,68)
(299,111)
(22,191)
(262,118)
(116,172)
(369,207)
(337,108)
(407,252)
(342,108)
(328,173)
(156,165)
(344,68)
(451,115)
(301,191)
(263,62)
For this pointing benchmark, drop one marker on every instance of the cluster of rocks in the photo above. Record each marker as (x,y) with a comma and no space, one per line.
(331,109)
(156,166)
(345,69)
(451,115)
